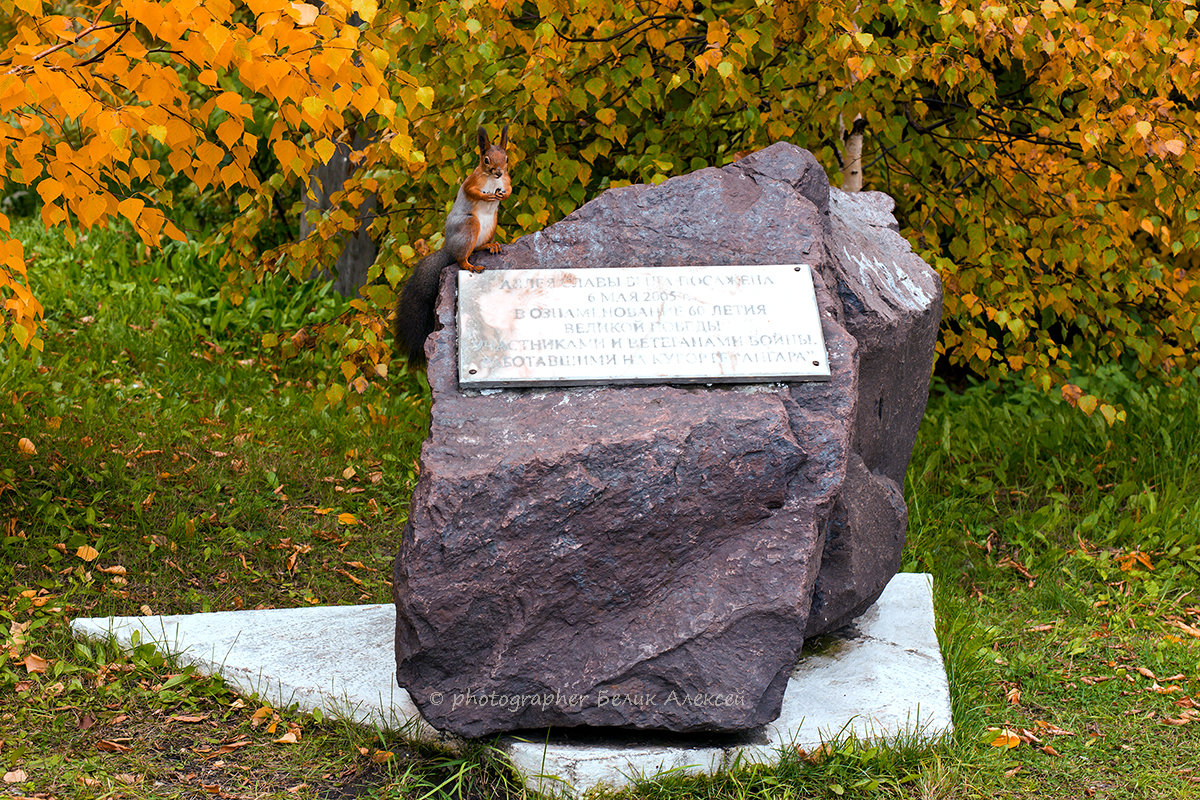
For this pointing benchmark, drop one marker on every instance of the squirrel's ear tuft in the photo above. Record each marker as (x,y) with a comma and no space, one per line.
(484,144)
(504,138)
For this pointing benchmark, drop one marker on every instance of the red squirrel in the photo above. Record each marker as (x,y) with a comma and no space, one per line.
(470,226)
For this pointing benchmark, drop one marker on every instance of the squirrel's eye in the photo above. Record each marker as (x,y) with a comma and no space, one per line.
(487,162)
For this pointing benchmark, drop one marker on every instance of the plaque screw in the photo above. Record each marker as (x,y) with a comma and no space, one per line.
(797,269)
(815,364)
(473,371)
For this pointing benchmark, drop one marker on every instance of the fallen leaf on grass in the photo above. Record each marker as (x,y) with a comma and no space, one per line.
(35,663)
(1013,696)
(87,552)
(347,519)
(297,551)
(1172,689)
(261,715)
(16,635)
(16,776)
(1188,629)
(1145,673)
(1190,714)
(291,737)
(109,746)
(1040,628)
(382,756)
(1012,563)
(1129,560)
(116,569)
(1092,680)
(1050,751)
(187,718)
(1004,738)
(1049,729)
(228,747)
(353,578)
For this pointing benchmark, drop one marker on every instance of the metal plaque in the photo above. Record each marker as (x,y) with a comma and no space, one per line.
(727,324)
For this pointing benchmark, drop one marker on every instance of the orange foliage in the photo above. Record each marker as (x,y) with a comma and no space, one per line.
(102,102)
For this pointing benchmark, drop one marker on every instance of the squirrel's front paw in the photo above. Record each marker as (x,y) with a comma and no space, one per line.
(499,194)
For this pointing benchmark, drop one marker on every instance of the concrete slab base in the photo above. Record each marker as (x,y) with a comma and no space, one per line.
(880,678)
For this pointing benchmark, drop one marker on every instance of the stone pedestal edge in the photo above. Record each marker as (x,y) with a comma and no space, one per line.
(881,678)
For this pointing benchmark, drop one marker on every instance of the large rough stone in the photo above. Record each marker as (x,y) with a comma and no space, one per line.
(647,556)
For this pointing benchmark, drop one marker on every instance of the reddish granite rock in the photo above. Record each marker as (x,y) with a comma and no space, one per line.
(648,556)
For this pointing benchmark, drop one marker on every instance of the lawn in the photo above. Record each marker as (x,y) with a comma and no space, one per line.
(158,459)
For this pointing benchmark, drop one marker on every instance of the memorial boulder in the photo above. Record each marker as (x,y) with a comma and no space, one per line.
(653,556)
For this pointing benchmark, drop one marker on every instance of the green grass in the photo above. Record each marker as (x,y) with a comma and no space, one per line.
(194,462)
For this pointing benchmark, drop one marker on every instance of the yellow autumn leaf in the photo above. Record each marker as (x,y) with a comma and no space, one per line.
(347,519)
(1109,413)
(26,447)
(325,149)
(1004,738)
(130,208)
(1175,147)
(1087,403)
(91,209)
(87,552)
(49,189)
(313,106)
(75,101)
(304,13)
(366,9)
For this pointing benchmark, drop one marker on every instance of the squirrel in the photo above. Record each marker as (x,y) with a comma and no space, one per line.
(470,226)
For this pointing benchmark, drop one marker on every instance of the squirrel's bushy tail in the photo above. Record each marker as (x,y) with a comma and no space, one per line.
(416,304)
